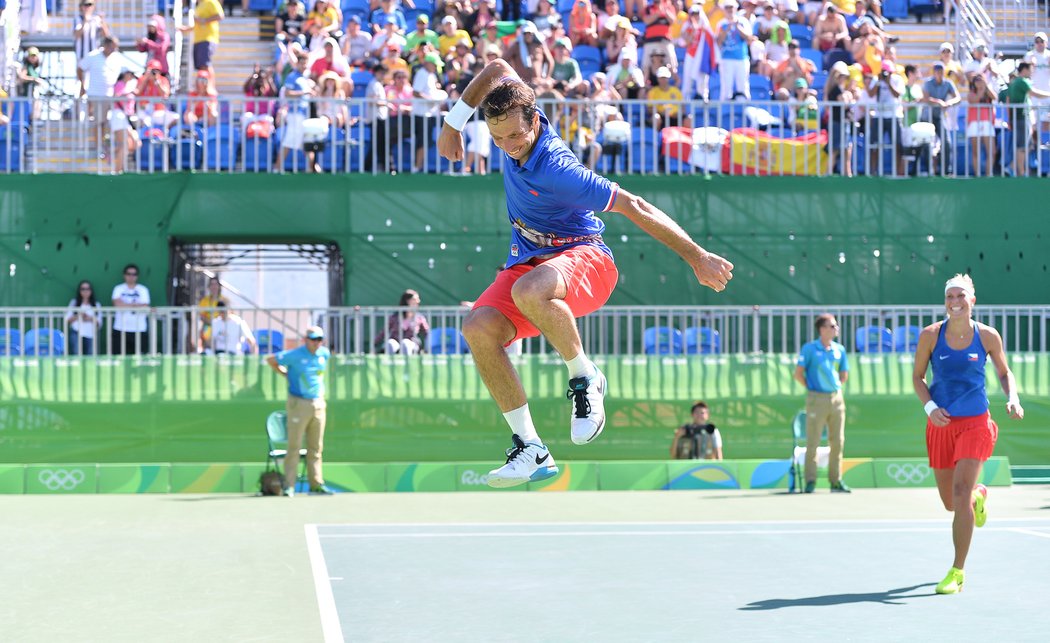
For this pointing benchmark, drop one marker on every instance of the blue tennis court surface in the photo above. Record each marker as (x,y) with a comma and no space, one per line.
(679,581)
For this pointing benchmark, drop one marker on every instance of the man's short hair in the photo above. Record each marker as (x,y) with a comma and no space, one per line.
(131,266)
(910,69)
(509,95)
(822,321)
(698,405)
(1023,66)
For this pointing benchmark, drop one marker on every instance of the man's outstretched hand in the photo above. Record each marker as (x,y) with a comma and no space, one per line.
(713,271)
(450,143)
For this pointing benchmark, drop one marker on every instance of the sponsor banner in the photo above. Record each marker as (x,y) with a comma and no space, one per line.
(61,478)
(764,474)
(426,476)
(205,478)
(904,472)
(474,476)
(355,477)
(702,474)
(632,476)
(12,478)
(128,478)
(574,476)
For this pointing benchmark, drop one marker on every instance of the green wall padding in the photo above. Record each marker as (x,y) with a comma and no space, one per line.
(434,408)
(800,241)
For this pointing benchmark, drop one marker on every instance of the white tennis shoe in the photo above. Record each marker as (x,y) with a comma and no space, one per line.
(588,406)
(526,462)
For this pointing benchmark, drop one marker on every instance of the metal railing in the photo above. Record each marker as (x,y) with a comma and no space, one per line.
(788,138)
(613,330)
(1013,22)
(972,24)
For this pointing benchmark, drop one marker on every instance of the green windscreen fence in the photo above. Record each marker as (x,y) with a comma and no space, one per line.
(793,240)
(203,409)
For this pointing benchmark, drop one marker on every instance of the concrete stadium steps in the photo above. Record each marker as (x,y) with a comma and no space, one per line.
(240,48)
(919,42)
(61,147)
(1016,25)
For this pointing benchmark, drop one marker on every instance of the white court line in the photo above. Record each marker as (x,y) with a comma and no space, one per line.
(723,532)
(1031,533)
(330,625)
(668,523)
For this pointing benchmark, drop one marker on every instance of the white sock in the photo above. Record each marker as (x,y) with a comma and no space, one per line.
(520,421)
(580,366)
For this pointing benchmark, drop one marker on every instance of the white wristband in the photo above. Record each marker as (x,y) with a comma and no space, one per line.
(930,407)
(459,115)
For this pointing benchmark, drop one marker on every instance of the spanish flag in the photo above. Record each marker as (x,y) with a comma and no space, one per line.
(755,153)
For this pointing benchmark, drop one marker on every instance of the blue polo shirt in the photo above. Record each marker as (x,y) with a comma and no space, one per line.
(305,371)
(552,198)
(823,365)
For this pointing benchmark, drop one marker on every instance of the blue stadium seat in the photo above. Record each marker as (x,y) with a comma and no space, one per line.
(13,139)
(43,342)
(154,154)
(189,153)
(761,87)
(270,341)
(262,6)
(833,56)
(812,55)
(446,340)
(874,339)
(222,146)
(894,9)
(925,7)
(565,6)
(820,78)
(702,340)
(589,58)
(333,157)
(258,154)
(10,341)
(906,338)
(662,340)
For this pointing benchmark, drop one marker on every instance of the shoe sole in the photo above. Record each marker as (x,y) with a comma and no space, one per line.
(601,427)
(499,482)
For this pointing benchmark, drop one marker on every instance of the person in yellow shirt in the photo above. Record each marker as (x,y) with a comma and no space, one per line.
(327,16)
(450,35)
(668,113)
(205,28)
(207,306)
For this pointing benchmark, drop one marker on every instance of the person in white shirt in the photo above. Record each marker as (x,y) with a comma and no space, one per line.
(130,325)
(229,332)
(426,107)
(83,316)
(87,28)
(983,64)
(102,68)
(1039,58)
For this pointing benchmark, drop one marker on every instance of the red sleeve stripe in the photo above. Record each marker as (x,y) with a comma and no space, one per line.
(612,197)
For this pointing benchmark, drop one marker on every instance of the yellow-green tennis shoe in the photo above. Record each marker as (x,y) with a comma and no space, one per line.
(952,583)
(980,498)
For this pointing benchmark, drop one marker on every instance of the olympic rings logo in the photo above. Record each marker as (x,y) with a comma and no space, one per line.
(61,479)
(908,473)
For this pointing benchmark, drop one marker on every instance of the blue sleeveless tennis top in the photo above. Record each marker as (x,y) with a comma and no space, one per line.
(958,376)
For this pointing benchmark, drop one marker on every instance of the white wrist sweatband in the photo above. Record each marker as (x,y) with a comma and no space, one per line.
(459,115)
(930,407)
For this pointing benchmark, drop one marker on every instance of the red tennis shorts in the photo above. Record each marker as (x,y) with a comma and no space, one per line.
(965,437)
(590,277)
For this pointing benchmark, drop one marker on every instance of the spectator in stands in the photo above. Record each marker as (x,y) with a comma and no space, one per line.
(304,368)
(885,89)
(699,439)
(583,24)
(102,68)
(156,43)
(665,103)
(806,114)
(332,106)
(152,91)
(608,19)
(983,64)
(795,67)
(478,147)
(840,124)
(778,43)
(577,126)
(1017,99)
(529,56)
(566,75)
(823,369)
(1039,59)
(130,324)
(203,106)
(488,38)
(332,61)
(863,23)
(29,79)
(388,9)
(952,68)
(229,333)
(259,85)
(289,24)
(658,60)
(422,33)
(451,34)
(622,38)
(734,34)
(205,28)
(399,96)
(89,29)
(406,330)
(484,16)
(84,318)
(788,11)
(980,125)
(295,108)
(426,109)
(830,31)
(634,10)
(626,76)
(377,114)
(391,58)
(390,36)
(124,138)
(462,57)
(329,17)
(940,94)
(701,57)
(357,44)
(765,21)
(208,307)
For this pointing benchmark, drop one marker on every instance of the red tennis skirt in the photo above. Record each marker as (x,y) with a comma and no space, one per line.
(964,438)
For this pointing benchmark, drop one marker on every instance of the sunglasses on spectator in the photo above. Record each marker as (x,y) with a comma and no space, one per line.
(85,287)
(131,274)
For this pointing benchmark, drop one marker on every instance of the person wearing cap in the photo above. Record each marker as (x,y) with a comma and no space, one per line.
(546,19)
(558,266)
(357,43)
(153,90)
(838,91)
(205,27)
(940,94)
(823,368)
(609,18)
(566,75)
(960,433)
(426,106)
(451,34)
(388,9)
(89,28)
(665,103)
(806,114)
(484,15)
(1018,94)
(623,37)
(421,34)
(701,53)
(289,24)
(305,369)
(1039,58)
(626,77)
(952,67)
(389,37)
(981,63)
(156,42)
(884,127)
(734,67)
(29,79)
